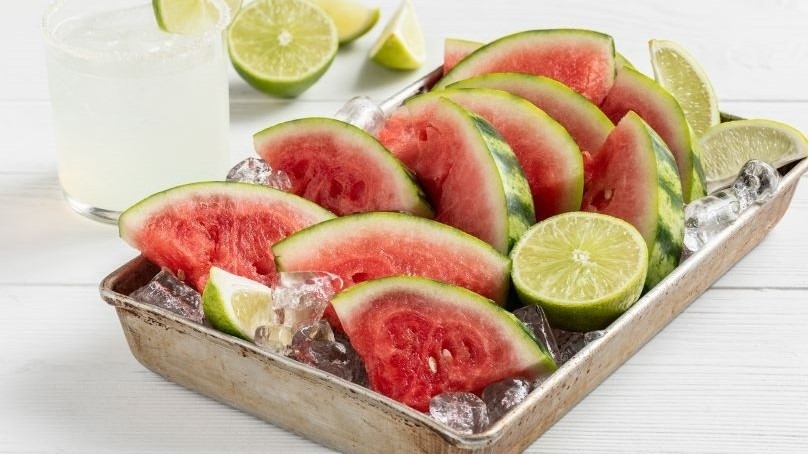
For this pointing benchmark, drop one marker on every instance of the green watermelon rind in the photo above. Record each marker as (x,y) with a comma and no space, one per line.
(536,88)
(307,244)
(543,125)
(353,301)
(133,218)
(666,251)
(531,39)
(403,185)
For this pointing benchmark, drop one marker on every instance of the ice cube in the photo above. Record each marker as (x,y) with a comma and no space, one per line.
(275,338)
(500,397)
(167,291)
(534,318)
(363,113)
(256,170)
(571,342)
(300,298)
(707,217)
(463,412)
(318,346)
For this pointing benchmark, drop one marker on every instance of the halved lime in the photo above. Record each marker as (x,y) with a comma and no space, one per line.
(401,43)
(727,147)
(584,269)
(679,73)
(282,47)
(352,18)
(236,305)
(189,16)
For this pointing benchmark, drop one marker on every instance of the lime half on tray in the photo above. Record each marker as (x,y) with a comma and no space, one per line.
(584,269)
(282,47)
(236,305)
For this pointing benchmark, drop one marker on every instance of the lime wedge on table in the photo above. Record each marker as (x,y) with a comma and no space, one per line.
(282,47)
(236,305)
(352,19)
(401,43)
(189,16)
(584,269)
(679,73)
(727,147)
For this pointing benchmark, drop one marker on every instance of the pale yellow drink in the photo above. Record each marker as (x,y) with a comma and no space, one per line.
(135,110)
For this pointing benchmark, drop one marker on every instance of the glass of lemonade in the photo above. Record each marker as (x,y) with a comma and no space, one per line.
(136,110)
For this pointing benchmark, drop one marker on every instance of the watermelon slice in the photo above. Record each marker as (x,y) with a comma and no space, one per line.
(469,173)
(581,59)
(340,167)
(550,158)
(634,177)
(367,246)
(192,227)
(634,91)
(418,338)
(455,50)
(584,121)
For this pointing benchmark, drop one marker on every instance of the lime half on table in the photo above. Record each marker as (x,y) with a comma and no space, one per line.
(584,269)
(282,47)
(190,16)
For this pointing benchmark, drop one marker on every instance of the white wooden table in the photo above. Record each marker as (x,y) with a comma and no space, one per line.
(728,375)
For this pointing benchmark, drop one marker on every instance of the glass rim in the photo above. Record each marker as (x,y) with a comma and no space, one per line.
(191,42)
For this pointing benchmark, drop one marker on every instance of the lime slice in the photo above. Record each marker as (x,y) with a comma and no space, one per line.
(584,269)
(401,43)
(727,147)
(282,47)
(679,73)
(352,19)
(236,305)
(189,16)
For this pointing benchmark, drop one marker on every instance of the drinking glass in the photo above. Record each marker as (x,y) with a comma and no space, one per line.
(136,110)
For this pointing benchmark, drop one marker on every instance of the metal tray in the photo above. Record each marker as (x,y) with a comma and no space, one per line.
(289,394)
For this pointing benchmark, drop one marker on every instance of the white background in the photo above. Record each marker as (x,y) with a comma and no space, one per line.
(728,375)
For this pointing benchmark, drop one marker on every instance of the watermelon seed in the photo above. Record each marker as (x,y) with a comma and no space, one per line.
(446,354)
(433,364)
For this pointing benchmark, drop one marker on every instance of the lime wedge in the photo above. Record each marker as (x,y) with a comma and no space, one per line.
(401,43)
(236,305)
(282,47)
(352,19)
(584,269)
(679,73)
(189,16)
(727,147)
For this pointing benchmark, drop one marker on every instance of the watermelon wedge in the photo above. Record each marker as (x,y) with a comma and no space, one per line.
(418,338)
(469,173)
(634,91)
(581,59)
(455,50)
(550,159)
(584,121)
(368,246)
(634,177)
(192,227)
(340,167)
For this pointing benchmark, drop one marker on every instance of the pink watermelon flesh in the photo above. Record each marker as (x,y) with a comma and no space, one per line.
(584,121)
(622,178)
(339,167)
(455,50)
(549,157)
(368,246)
(230,225)
(581,59)
(436,139)
(419,338)
(634,91)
